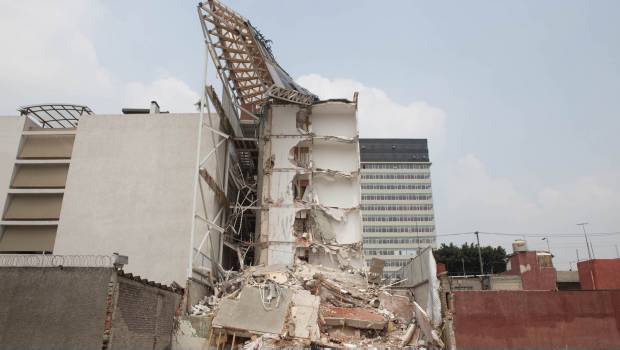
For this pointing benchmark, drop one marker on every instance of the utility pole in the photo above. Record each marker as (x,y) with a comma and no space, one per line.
(583,226)
(463,262)
(479,253)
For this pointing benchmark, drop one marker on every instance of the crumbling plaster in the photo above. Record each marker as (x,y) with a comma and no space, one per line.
(330,177)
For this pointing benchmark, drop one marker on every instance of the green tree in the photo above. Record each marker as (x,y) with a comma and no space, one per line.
(493,258)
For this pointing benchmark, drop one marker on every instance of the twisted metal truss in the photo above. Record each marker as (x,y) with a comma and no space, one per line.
(244,60)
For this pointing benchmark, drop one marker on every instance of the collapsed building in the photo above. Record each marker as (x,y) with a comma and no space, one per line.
(249,208)
(309,284)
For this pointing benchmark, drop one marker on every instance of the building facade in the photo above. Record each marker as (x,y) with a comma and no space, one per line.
(397,200)
(112,184)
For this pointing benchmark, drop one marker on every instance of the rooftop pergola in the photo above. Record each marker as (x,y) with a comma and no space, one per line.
(55,115)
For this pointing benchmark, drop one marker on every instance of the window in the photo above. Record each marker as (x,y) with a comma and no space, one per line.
(301,156)
(397,207)
(301,224)
(397,197)
(395,176)
(397,218)
(396,165)
(300,183)
(398,240)
(417,228)
(395,186)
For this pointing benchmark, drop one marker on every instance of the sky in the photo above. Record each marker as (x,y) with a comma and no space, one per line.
(518,99)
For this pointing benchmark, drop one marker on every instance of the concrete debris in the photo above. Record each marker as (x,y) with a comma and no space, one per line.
(400,306)
(307,305)
(200,309)
(353,317)
(375,273)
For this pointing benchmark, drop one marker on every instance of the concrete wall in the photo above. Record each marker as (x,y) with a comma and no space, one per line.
(10,136)
(599,274)
(144,316)
(465,283)
(129,190)
(537,319)
(52,308)
(420,274)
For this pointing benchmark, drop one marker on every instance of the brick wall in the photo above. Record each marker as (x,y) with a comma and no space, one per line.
(82,308)
(144,316)
(537,319)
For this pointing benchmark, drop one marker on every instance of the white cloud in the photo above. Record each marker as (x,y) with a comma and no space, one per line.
(473,199)
(171,94)
(380,116)
(48,56)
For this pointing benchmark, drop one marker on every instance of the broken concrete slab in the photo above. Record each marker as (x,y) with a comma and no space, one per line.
(354,317)
(400,306)
(187,336)
(424,321)
(304,315)
(248,313)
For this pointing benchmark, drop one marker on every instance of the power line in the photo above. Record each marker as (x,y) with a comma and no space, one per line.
(538,235)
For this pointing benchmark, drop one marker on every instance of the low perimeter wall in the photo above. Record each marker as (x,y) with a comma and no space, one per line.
(537,319)
(53,308)
(68,308)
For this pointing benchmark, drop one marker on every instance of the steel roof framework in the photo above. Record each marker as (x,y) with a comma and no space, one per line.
(243,60)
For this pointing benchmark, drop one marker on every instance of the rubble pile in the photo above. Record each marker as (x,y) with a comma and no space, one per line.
(311,305)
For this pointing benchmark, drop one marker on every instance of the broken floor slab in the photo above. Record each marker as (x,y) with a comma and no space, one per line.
(250,314)
(354,317)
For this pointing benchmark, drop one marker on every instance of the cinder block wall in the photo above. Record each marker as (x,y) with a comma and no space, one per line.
(53,308)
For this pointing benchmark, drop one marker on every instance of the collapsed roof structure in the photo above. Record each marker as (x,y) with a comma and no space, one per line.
(244,61)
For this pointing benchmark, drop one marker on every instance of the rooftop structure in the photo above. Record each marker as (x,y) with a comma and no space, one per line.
(55,115)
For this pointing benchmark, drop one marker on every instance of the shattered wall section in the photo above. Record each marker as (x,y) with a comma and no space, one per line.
(284,181)
(311,185)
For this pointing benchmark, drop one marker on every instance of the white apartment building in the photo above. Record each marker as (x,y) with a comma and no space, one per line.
(397,200)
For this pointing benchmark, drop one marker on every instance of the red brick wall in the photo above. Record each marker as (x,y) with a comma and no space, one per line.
(599,274)
(533,276)
(537,319)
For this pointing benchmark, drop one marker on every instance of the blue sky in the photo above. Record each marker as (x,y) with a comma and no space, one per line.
(519,99)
